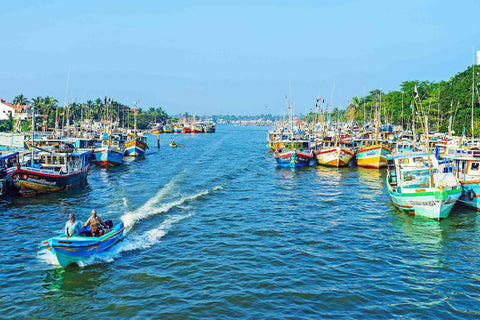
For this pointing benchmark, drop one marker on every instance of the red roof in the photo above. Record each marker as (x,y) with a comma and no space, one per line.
(16,107)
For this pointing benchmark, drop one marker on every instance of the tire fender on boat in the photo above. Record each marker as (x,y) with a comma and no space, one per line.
(471,195)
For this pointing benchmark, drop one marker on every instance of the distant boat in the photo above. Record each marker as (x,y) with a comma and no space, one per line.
(209,128)
(167,128)
(177,129)
(196,128)
(186,128)
(50,172)
(78,248)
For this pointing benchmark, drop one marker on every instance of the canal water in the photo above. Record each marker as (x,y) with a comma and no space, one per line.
(216,230)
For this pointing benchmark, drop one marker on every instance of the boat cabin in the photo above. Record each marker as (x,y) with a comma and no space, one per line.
(465,164)
(65,163)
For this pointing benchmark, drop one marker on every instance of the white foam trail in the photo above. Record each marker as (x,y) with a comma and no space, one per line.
(47,257)
(149,208)
(125,202)
(137,242)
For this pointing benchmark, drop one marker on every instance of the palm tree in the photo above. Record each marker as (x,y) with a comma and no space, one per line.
(20,100)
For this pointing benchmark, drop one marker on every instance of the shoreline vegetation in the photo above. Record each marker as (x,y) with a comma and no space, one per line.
(441,102)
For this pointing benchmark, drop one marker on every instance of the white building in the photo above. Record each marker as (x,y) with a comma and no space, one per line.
(478,58)
(18,112)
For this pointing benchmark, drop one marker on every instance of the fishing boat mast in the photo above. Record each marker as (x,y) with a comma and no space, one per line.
(33,136)
(473,90)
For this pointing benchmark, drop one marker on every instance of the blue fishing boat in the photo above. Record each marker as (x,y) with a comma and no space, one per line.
(79,248)
(293,158)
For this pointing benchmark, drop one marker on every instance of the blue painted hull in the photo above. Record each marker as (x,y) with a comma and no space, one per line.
(470,195)
(76,249)
(293,159)
(108,157)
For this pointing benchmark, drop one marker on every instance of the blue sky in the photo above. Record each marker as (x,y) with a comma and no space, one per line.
(230,57)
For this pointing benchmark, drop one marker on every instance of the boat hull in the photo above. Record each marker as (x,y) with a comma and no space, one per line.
(431,204)
(470,194)
(293,159)
(335,157)
(37,181)
(372,157)
(108,157)
(135,148)
(76,249)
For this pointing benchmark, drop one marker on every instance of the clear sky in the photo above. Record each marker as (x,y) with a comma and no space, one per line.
(230,57)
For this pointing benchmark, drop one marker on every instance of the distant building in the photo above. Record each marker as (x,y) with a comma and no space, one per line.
(18,112)
(478,58)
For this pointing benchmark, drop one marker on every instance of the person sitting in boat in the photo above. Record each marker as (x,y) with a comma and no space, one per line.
(95,223)
(72,227)
(173,144)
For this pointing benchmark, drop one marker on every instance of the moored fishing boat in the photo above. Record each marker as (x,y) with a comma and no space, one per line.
(110,154)
(334,154)
(135,144)
(177,129)
(8,166)
(186,128)
(293,158)
(196,128)
(78,248)
(50,172)
(465,165)
(372,156)
(167,128)
(418,189)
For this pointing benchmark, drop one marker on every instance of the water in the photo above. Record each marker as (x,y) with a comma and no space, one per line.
(216,230)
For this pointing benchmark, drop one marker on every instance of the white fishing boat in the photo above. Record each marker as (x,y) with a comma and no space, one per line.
(418,186)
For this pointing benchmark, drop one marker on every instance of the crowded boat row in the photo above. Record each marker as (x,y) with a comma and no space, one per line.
(426,173)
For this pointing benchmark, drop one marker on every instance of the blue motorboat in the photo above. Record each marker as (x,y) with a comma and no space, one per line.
(81,247)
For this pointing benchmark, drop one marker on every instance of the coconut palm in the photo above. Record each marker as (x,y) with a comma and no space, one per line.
(20,100)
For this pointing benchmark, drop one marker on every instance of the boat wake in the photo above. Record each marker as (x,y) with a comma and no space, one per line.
(151,207)
(137,242)
(144,240)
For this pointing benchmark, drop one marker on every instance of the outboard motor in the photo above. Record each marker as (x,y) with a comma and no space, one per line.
(109,223)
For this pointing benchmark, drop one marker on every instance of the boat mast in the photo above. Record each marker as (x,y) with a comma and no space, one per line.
(33,136)
(473,90)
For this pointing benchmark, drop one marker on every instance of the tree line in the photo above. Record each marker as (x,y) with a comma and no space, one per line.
(443,102)
(51,115)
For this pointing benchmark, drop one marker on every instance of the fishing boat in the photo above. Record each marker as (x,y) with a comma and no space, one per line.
(8,166)
(372,155)
(47,172)
(186,128)
(333,153)
(110,154)
(136,144)
(167,128)
(209,128)
(293,158)
(465,165)
(177,129)
(78,248)
(417,186)
(196,128)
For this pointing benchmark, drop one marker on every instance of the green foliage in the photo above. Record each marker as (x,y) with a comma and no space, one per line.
(49,112)
(437,100)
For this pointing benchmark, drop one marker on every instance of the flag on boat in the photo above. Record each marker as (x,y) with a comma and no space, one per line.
(415,94)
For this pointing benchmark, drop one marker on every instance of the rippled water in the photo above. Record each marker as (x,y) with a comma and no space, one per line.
(216,230)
